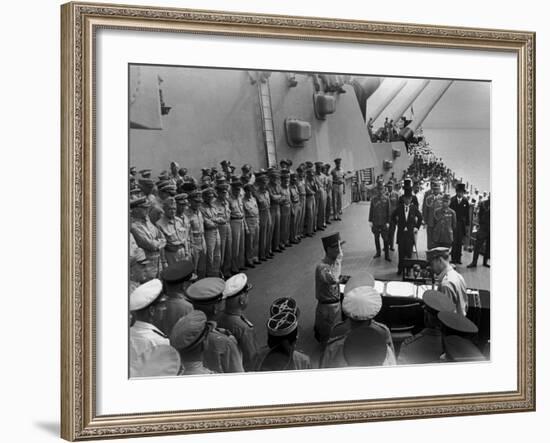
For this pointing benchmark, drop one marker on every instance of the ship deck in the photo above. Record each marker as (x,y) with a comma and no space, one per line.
(291,273)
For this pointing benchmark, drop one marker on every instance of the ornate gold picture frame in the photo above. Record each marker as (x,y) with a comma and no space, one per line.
(80,22)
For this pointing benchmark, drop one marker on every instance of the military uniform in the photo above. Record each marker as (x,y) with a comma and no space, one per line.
(295,213)
(444,227)
(177,239)
(285,208)
(264,203)
(310,187)
(252,236)
(275,210)
(327,293)
(301,185)
(224,229)
(150,239)
(197,242)
(424,347)
(328,192)
(380,217)
(432,203)
(212,239)
(338,189)
(452,284)
(243,330)
(321,200)
(144,337)
(462,211)
(237,232)
(298,361)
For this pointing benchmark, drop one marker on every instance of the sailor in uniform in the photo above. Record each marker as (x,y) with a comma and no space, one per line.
(280,354)
(221,351)
(448,280)
(427,345)
(362,341)
(188,338)
(234,320)
(144,336)
(327,288)
(338,188)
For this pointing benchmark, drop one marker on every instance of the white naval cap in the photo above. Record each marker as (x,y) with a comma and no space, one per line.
(145,294)
(235,285)
(362,303)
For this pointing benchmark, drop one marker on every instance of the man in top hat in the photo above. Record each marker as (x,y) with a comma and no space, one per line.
(144,336)
(252,219)
(221,203)
(173,304)
(187,337)
(320,196)
(275,195)
(444,224)
(483,236)
(407,184)
(458,333)
(238,225)
(427,346)
(432,203)
(197,244)
(175,232)
(379,218)
(234,320)
(408,219)
(365,342)
(221,352)
(285,208)
(264,204)
(295,209)
(311,189)
(327,288)
(280,354)
(448,280)
(147,236)
(459,204)
(212,219)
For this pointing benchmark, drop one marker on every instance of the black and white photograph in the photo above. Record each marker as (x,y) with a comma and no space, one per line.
(284,221)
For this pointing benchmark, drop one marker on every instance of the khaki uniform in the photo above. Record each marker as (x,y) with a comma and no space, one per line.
(452,284)
(275,210)
(221,352)
(177,239)
(295,213)
(329,204)
(243,330)
(264,243)
(212,240)
(380,216)
(338,184)
(302,193)
(327,293)
(285,207)
(252,236)
(321,200)
(197,243)
(170,310)
(224,229)
(150,239)
(310,186)
(237,233)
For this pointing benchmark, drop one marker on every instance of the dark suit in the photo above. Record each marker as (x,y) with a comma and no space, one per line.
(484,232)
(462,211)
(405,230)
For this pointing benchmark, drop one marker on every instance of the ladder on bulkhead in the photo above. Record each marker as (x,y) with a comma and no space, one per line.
(267,121)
